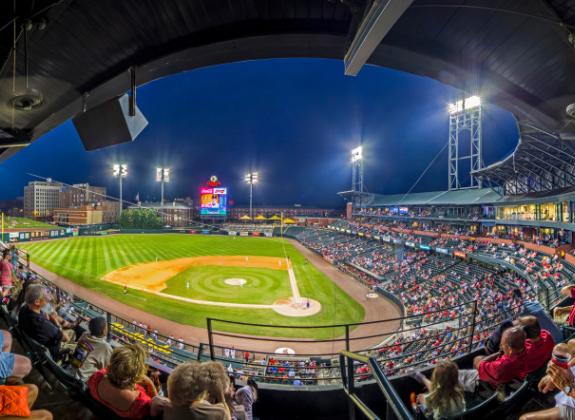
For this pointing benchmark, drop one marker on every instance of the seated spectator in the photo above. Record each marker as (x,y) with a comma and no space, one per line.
(560,376)
(445,395)
(498,368)
(12,365)
(123,386)
(93,352)
(36,324)
(538,343)
(189,387)
(32,394)
(216,382)
(566,314)
(247,396)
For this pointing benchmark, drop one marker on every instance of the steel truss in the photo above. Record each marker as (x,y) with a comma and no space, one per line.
(541,162)
(470,120)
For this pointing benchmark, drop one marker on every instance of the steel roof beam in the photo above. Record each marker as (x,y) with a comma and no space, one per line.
(547,144)
(378,21)
(549,165)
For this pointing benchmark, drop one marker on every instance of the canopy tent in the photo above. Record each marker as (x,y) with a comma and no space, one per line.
(245,217)
(289,221)
(261,217)
(274,217)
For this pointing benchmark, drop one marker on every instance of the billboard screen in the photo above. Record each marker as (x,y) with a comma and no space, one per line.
(213,201)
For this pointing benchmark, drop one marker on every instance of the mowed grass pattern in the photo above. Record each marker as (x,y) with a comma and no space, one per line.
(263,286)
(86,259)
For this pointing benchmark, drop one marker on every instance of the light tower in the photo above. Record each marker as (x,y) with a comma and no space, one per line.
(465,115)
(357,169)
(120,171)
(251,178)
(162,176)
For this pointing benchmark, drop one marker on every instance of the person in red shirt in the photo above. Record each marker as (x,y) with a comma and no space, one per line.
(566,313)
(538,343)
(498,368)
(123,386)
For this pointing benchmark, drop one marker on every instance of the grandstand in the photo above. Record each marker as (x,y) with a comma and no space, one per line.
(439,293)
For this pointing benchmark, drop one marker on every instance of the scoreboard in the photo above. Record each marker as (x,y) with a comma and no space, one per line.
(213,201)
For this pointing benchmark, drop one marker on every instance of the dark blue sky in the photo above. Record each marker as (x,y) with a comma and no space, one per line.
(293,120)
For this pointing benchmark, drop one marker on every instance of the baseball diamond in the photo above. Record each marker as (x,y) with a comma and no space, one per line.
(182,278)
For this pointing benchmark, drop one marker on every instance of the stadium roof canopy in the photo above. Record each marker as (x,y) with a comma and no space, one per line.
(465,197)
(518,54)
(541,162)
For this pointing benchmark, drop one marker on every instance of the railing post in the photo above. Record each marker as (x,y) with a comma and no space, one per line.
(200,351)
(109,322)
(351,386)
(347,338)
(210,338)
(342,370)
(473,321)
(547,299)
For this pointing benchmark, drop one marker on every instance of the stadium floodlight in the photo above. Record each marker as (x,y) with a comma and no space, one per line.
(357,154)
(162,176)
(251,178)
(464,104)
(120,170)
(472,102)
(455,107)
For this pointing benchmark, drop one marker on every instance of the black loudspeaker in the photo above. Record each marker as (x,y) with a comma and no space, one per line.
(109,124)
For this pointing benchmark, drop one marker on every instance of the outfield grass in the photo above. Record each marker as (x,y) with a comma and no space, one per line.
(263,286)
(86,259)
(11,222)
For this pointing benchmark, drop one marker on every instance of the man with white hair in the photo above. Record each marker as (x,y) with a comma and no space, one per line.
(38,325)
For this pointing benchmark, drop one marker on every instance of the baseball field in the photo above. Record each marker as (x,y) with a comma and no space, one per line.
(186,278)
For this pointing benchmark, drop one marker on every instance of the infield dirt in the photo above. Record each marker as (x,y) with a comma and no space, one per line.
(153,276)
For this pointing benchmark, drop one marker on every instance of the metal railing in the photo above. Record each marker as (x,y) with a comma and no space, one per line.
(395,408)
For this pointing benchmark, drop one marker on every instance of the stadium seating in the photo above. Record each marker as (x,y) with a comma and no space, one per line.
(438,291)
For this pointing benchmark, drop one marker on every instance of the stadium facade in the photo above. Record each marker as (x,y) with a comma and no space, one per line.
(483,208)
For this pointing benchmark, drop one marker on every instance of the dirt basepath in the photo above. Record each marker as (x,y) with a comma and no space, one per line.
(375,309)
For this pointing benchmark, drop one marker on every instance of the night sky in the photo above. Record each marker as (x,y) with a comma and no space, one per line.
(292,120)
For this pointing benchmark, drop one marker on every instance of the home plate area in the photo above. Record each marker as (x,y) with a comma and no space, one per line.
(297,308)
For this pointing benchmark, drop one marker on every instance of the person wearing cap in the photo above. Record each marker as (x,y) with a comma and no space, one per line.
(92,352)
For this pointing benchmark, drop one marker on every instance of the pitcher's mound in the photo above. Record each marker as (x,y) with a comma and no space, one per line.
(235,282)
(303,307)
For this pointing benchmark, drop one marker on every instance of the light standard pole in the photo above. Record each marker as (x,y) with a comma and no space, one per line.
(251,178)
(162,176)
(121,171)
